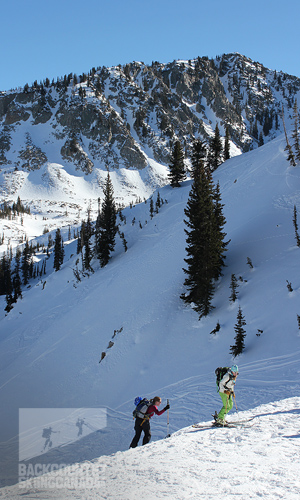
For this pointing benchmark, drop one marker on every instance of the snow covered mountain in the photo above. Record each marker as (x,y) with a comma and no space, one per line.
(53,339)
(58,138)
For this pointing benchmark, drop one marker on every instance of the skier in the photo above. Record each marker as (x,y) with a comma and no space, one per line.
(226,391)
(143,424)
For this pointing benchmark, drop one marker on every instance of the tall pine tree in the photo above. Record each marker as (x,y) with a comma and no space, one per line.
(177,170)
(106,225)
(215,155)
(226,153)
(239,345)
(204,251)
(58,251)
(198,156)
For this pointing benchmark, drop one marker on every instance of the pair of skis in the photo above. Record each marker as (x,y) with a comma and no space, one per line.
(233,424)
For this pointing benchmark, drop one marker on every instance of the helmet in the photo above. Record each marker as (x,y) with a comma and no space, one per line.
(234,369)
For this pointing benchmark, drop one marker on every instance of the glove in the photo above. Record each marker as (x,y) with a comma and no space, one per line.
(227,393)
(166,407)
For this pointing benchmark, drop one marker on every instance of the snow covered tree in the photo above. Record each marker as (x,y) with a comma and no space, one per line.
(204,252)
(177,170)
(239,345)
(106,226)
(58,251)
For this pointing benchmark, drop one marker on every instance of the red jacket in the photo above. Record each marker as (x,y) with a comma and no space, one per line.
(153,409)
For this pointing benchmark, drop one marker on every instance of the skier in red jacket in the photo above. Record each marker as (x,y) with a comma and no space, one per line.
(143,424)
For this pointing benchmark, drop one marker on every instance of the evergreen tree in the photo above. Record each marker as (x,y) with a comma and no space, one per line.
(295,134)
(58,251)
(87,237)
(177,170)
(17,279)
(198,156)
(9,288)
(288,148)
(239,345)
(227,144)
(215,155)
(26,258)
(233,286)
(203,244)
(106,227)
(151,208)
(295,222)
(219,235)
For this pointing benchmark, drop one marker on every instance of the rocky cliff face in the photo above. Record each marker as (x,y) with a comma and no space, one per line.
(119,118)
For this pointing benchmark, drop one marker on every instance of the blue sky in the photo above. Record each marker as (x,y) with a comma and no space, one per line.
(51,39)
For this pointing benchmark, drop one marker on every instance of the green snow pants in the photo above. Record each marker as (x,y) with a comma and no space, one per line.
(227,405)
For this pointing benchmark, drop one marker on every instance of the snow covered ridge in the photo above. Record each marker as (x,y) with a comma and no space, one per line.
(261,460)
(57,139)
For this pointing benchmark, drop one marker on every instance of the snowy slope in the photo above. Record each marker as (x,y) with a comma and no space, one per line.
(51,342)
(259,461)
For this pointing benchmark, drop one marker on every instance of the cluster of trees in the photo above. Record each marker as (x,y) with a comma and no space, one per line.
(104,231)
(18,272)
(212,155)
(17,208)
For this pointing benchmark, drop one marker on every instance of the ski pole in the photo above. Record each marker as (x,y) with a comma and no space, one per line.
(168,421)
(225,410)
(236,405)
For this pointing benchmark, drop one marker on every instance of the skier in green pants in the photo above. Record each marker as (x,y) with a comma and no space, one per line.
(226,391)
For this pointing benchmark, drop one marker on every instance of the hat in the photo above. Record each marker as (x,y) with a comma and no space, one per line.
(234,369)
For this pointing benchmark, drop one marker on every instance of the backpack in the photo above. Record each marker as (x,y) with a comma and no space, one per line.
(142,405)
(220,372)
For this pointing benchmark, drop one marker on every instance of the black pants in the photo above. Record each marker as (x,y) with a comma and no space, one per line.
(139,426)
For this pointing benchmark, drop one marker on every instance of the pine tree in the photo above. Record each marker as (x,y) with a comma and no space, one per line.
(233,287)
(295,222)
(106,227)
(239,345)
(26,257)
(87,243)
(219,235)
(198,156)
(215,155)
(288,148)
(295,134)
(177,170)
(203,244)
(227,144)
(58,251)
(17,279)
(151,208)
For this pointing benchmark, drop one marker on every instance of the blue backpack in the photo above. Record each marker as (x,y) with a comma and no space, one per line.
(141,407)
